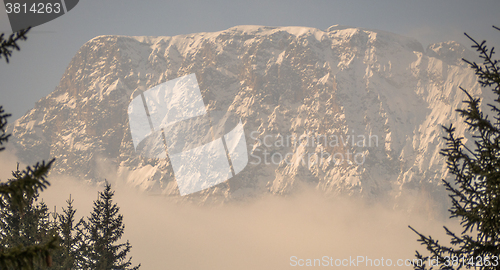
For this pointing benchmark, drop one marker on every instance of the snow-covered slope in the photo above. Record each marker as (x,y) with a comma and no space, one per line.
(284,82)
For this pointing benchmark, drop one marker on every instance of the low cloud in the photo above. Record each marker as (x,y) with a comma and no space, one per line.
(262,233)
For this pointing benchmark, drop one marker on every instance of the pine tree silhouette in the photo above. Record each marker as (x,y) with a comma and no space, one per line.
(104,228)
(71,235)
(17,196)
(475,193)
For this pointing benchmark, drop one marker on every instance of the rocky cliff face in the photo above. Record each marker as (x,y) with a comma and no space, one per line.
(346,110)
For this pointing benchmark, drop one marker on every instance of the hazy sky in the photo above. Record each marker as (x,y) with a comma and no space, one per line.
(225,236)
(36,71)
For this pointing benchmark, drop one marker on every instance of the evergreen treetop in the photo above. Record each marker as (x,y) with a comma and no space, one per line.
(18,193)
(475,191)
(104,228)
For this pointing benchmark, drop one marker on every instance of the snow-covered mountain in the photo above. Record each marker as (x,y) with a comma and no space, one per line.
(375,98)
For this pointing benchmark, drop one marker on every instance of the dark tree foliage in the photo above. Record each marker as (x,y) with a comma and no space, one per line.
(71,235)
(17,196)
(475,192)
(10,44)
(4,137)
(104,228)
(29,226)
(23,241)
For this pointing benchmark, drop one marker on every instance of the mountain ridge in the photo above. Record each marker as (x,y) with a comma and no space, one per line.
(280,81)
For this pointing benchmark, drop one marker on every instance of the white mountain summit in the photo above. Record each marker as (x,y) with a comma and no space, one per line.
(346,110)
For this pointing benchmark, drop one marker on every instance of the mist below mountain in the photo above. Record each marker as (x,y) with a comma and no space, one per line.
(345,111)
